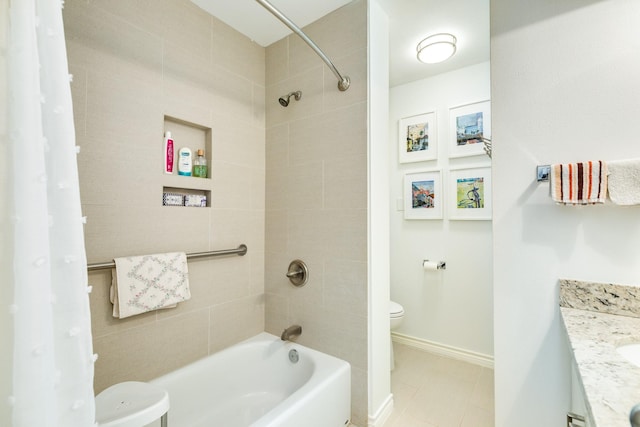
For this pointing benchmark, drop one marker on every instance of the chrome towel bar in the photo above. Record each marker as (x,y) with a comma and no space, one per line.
(240,251)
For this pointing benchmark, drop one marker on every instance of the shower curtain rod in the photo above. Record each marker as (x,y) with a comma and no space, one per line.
(343,82)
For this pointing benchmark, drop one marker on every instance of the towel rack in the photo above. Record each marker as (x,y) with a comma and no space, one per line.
(240,251)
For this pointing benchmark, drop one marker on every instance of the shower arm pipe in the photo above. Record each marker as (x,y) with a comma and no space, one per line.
(343,82)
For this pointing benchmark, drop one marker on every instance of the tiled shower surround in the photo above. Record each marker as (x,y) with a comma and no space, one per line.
(133,63)
(316,192)
(288,182)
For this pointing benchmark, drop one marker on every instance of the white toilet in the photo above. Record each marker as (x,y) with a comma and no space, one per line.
(132,404)
(396,314)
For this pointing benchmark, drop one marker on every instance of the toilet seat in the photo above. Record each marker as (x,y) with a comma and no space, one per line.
(131,404)
(395,310)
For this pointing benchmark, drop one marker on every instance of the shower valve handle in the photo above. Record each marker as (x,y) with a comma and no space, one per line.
(298,273)
(294,273)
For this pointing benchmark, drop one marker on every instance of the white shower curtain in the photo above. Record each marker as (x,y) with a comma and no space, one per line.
(52,347)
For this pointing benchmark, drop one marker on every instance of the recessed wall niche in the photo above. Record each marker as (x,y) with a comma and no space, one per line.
(195,137)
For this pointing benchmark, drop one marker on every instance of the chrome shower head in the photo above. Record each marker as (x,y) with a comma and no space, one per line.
(284,100)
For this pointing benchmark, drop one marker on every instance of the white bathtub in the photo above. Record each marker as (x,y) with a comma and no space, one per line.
(255,384)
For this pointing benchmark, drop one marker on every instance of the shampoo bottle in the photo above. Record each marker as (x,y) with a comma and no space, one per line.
(168,153)
(184,161)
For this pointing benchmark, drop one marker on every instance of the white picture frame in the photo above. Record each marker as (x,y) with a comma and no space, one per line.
(418,138)
(470,195)
(468,125)
(423,195)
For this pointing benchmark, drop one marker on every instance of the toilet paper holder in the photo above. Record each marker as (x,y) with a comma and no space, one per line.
(429,265)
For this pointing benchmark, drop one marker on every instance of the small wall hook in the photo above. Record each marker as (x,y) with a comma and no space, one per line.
(543,172)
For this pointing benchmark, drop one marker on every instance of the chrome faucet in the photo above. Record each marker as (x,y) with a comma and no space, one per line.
(291,332)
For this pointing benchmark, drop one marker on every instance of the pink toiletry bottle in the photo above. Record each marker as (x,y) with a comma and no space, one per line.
(168,153)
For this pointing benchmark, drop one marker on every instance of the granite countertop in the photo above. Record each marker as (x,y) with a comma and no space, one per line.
(599,318)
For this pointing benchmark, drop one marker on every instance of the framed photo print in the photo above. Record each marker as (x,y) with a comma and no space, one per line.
(470,193)
(423,195)
(468,124)
(417,139)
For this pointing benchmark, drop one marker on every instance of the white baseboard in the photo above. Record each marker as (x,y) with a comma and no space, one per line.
(382,414)
(444,350)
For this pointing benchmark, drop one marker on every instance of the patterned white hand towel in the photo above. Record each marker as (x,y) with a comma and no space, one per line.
(149,282)
(624,182)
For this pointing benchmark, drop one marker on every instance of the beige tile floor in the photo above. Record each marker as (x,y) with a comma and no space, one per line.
(436,391)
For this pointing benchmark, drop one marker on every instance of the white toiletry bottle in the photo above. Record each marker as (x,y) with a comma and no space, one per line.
(184,162)
(200,165)
(168,153)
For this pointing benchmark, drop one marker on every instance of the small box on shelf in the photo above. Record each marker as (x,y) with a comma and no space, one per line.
(186,197)
(196,200)
(172,199)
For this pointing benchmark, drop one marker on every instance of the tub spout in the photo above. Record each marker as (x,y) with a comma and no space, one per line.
(291,332)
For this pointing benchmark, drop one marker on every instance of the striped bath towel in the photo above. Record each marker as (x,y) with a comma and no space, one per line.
(582,183)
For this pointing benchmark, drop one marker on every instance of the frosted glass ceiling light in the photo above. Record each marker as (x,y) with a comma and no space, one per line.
(436,48)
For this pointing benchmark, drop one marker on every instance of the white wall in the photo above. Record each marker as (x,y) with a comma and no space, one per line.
(380,400)
(451,307)
(562,91)
(6,238)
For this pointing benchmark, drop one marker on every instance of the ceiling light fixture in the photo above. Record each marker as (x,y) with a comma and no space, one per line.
(436,48)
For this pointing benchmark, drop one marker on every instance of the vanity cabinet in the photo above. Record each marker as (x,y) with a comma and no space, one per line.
(597,318)
(578,416)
